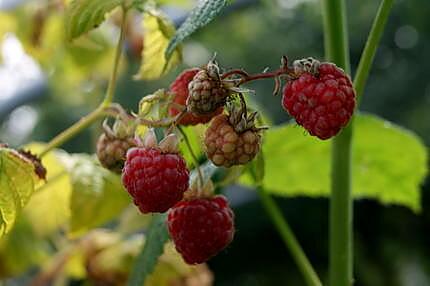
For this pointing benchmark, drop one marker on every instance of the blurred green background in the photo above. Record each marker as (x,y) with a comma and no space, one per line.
(391,243)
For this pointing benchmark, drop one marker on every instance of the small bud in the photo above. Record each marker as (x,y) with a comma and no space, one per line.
(169,144)
(150,139)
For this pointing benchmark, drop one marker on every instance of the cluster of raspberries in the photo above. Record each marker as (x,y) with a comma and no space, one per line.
(320,97)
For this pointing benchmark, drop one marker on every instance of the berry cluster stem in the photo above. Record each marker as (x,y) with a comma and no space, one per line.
(104,108)
(245,77)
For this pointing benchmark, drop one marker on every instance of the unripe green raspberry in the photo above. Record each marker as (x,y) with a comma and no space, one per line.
(112,145)
(229,143)
(207,92)
(111,151)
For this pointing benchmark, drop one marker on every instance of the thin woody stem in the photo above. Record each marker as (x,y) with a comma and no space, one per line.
(245,77)
(105,107)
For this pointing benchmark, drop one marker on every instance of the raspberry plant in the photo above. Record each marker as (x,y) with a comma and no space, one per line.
(143,147)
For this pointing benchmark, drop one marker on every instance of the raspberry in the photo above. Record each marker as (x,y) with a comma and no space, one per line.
(226,145)
(207,92)
(155,179)
(201,228)
(180,90)
(321,102)
(111,151)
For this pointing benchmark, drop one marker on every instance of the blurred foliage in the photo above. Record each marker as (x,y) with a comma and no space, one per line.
(157,30)
(97,194)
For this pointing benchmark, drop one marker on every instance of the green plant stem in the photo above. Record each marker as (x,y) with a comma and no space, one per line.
(110,93)
(335,33)
(371,46)
(341,223)
(100,111)
(289,239)
(70,132)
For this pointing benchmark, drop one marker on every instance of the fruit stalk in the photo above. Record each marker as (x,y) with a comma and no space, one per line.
(341,224)
(246,77)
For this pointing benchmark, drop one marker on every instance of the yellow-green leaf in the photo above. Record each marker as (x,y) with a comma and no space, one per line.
(17,184)
(157,32)
(84,15)
(21,249)
(97,194)
(51,201)
(389,163)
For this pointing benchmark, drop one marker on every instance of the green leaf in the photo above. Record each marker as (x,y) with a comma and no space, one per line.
(194,135)
(157,32)
(83,16)
(389,163)
(257,168)
(200,16)
(17,184)
(97,196)
(153,248)
(21,249)
(51,201)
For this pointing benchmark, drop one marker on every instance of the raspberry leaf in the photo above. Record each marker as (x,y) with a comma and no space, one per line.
(18,179)
(158,29)
(257,169)
(389,163)
(97,194)
(51,201)
(194,135)
(153,248)
(200,16)
(21,249)
(83,16)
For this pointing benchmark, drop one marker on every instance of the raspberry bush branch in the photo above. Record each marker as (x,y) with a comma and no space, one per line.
(341,222)
(287,235)
(340,217)
(256,170)
(372,44)
(110,93)
(104,108)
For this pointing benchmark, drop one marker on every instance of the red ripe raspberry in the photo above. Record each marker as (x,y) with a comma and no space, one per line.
(180,90)
(322,102)
(200,228)
(155,180)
